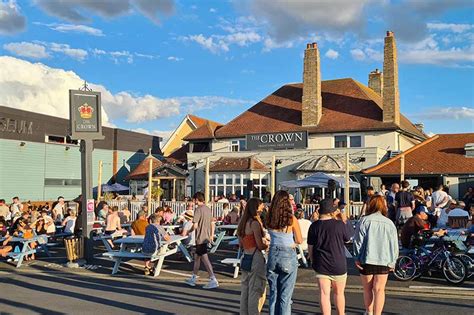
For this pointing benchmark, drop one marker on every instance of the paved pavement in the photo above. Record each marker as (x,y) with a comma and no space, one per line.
(46,286)
(86,293)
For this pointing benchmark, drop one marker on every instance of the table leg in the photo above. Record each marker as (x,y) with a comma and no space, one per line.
(185,252)
(219,239)
(117,265)
(21,256)
(158,266)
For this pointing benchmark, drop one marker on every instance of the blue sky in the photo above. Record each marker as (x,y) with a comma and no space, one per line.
(156,61)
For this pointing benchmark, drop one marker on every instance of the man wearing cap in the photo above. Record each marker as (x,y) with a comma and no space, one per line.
(188,229)
(414,225)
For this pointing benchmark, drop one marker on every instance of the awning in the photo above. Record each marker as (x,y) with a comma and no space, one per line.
(318,180)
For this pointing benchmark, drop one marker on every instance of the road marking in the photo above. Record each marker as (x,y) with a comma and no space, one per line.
(439,288)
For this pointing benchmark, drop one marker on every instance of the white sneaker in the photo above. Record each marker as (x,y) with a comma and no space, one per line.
(212,284)
(191,281)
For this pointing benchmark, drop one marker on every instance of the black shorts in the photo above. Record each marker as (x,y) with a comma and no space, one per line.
(201,249)
(109,232)
(374,270)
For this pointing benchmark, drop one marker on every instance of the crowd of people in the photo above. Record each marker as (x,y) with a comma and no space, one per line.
(268,235)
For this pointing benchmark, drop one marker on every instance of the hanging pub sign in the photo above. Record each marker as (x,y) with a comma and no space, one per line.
(277,141)
(85,115)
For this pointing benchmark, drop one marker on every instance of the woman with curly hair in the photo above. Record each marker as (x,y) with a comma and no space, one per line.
(282,264)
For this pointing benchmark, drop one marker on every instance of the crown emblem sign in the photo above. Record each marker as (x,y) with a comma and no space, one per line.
(85,111)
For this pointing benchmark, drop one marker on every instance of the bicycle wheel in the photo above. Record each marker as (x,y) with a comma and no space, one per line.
(405,268)
(469,262)
(454,270)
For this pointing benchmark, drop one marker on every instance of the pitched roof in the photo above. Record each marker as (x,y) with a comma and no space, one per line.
(205,131)
(142,169)
(347,106)
(440,154)
(197,121)
(227,164)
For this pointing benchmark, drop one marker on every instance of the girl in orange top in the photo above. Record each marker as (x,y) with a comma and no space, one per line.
(252,241)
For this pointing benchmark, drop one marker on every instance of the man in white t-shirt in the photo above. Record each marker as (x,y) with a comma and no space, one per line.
(59,209)
(439,199)
(16,208)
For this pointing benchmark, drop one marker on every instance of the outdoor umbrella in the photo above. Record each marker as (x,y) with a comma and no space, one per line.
(116,187)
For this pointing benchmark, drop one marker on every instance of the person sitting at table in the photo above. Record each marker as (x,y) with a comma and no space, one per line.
(70,222)
(16,222)
(168,216)
(154,234)
(161,212)
(225,211)
(4,248)
(233,217)
(113,223)
(25,231)
(188,229)
(140,224)
(125,216)
(44,224)
(104,212)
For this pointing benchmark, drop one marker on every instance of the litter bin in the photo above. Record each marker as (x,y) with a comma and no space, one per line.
(74,248)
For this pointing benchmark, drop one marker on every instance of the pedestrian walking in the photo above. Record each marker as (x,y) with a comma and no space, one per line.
(252,239)
(375,253)
(326,238)
(282,265)
(405,203)
(202,221)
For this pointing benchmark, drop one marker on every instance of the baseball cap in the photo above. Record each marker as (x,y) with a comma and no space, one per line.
(421,209)
(326,206)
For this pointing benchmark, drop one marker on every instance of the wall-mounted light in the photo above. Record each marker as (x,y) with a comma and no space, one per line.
(67,148)
(22,144)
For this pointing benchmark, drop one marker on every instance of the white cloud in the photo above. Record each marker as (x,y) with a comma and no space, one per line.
(455,28)
(28,50)
(117,56)
(39,88)
(82,10)
(73,28)
(212,10)
(207,43)
(146,56)
(11,19)
(174,58)
(332,54)
(358,54)
(446,113)
(75,53)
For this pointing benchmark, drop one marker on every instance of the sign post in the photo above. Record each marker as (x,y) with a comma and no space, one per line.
(85,124)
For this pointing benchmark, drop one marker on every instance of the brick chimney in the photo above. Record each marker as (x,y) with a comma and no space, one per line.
(376,81)
(312,108)
(390,93)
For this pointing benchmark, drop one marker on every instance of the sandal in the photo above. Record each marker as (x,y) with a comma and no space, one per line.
(147,271)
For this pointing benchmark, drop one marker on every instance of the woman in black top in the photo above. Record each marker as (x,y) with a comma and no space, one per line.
(326,238)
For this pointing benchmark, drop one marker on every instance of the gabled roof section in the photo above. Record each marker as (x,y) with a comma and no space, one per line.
(348,106)
(244,164)
(440,154)
(142,169)
(206,131)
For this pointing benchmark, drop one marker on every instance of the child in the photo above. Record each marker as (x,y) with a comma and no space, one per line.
(69,222)
(154,233)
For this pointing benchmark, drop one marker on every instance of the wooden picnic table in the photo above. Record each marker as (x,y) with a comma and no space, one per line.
(27,250)
(136,241)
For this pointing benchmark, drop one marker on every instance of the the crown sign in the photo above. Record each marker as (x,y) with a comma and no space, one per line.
(86,111)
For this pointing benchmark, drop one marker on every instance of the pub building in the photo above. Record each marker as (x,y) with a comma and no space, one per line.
(39,161)
(307,127)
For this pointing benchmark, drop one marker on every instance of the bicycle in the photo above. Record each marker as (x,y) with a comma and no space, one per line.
(425,259)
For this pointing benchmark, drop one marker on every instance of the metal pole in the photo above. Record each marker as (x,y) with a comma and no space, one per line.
(346,182)
(87,217)
(402,167)
(99,182)
(150,183)
(273,179)
(174,189)
(206,181)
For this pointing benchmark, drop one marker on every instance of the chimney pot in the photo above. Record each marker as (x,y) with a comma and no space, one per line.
(308,46)
(389,33)
(315,45)
(376,81)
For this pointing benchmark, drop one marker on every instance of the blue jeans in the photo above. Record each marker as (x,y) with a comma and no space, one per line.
(282,267)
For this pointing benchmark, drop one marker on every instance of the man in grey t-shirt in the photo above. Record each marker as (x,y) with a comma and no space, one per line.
(202,222)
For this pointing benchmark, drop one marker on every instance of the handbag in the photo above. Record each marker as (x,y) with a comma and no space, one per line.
(246,262)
